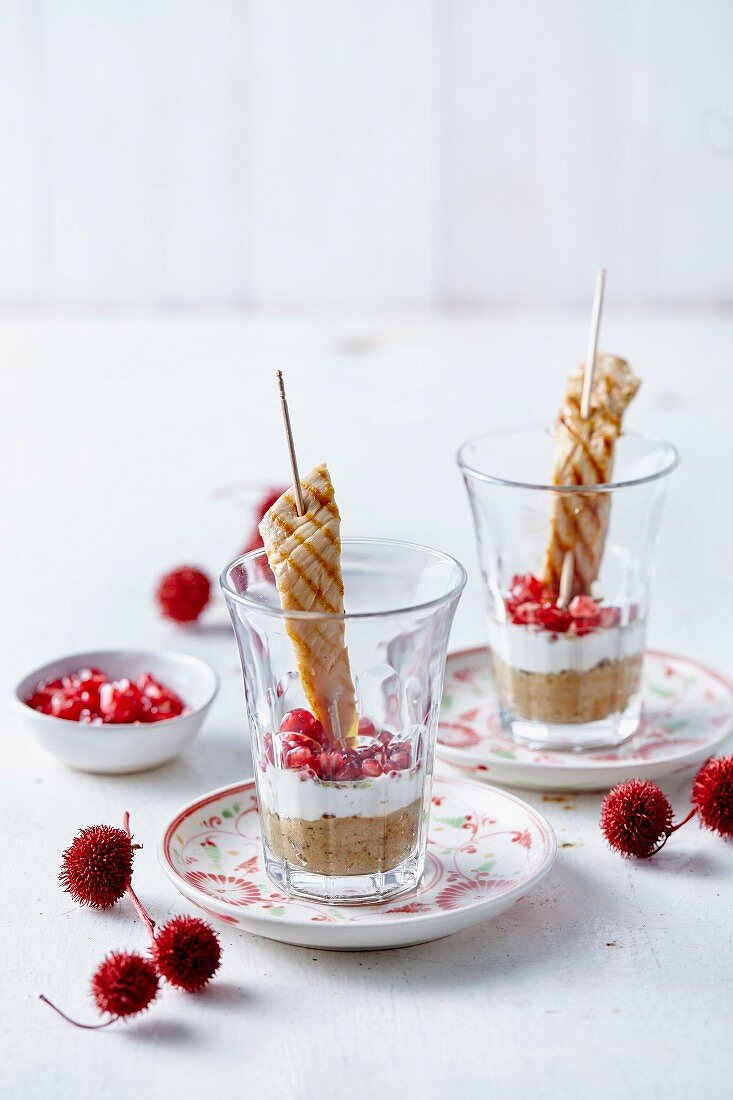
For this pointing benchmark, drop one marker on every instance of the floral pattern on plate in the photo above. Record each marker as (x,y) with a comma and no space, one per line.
(688,713)
(486,849)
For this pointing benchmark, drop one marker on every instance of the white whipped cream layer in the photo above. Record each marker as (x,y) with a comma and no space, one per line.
(291,793)
(533,650)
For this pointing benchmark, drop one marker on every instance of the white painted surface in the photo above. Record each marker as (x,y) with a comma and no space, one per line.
(613,979)
(219,152)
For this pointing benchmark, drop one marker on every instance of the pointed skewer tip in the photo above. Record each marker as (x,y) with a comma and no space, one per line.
(299,502)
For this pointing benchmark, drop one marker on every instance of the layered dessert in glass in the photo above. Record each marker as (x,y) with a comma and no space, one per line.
(343,652)
(337,809)
(567,522)
(573,664)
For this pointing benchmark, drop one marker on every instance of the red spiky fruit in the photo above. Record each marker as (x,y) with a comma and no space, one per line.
(183,593)
(636,818)
(124,984)
(187,953)
(97,866)
(712,795)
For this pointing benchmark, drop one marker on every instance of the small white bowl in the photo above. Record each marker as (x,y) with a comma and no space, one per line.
(116,749)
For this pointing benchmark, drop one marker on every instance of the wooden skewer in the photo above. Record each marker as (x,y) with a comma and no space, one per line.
(299,502)
(566,579)
(590,359)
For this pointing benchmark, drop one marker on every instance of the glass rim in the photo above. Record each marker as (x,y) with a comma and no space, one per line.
(602,486)
(329,616)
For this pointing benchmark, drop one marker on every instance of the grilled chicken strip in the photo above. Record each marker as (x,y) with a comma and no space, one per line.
(584,451)
(304,553)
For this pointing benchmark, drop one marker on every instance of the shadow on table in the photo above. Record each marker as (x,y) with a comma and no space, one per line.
(543,924)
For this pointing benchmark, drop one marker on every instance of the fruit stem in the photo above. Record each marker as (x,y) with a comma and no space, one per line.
(142,911)
(684,821)
(87,1027)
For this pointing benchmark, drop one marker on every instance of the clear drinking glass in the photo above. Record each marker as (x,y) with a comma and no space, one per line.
(347,821)
(566,679)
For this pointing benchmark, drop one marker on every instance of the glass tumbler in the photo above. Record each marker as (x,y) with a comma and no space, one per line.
(346,820)
(566,677)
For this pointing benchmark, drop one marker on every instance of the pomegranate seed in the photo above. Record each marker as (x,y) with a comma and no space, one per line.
(400,761)
(167,707)
(367,728)
(67,704)
(297,721)
(150,687)
(385,737)
(296,740)
(350,770)
(39,700)
(87,676)
(526,587)
(328,763)
(119,701)
(526,613)
(583,607)
(555,619)
(371,768)
(299,758)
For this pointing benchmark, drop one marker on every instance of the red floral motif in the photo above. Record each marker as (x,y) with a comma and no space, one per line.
(468,890)
(212,822)
(457,736)
(462,674)
(525,839)
(235,891)
(249,866)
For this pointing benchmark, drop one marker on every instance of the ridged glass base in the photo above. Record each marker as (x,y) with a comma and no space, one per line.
(344,889)
(606,733)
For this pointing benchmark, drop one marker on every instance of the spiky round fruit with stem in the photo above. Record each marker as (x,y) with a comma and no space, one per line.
(186,950)
(123,985)
(636,818)
(96,868)
(187,953)
(712,795)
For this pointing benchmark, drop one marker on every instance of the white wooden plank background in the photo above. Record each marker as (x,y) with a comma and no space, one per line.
(427,152)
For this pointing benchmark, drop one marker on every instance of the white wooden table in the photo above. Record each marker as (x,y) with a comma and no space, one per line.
(612,979)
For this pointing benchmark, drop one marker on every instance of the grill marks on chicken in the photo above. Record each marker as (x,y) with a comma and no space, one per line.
(584,451)
(304,553)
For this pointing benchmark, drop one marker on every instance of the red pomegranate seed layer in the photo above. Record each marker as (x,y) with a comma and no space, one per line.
(304,745)
(532,603)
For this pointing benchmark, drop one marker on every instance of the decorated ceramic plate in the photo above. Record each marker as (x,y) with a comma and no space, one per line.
(486,849)
(688,714)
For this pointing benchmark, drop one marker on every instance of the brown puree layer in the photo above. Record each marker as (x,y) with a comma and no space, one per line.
(569,696)
(344,845)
